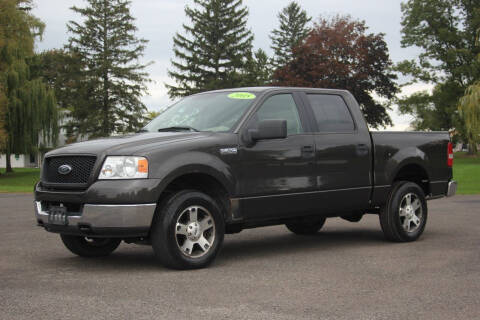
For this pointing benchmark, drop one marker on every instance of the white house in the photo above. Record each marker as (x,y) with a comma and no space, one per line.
(20,160)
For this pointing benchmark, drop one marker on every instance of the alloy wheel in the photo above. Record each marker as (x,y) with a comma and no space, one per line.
(410,212)
(195,231)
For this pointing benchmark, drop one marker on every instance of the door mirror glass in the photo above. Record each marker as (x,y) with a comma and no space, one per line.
(269,129)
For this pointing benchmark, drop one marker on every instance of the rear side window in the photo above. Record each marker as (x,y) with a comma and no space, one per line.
(331,113)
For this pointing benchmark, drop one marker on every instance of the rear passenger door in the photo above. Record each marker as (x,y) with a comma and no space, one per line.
(342,156)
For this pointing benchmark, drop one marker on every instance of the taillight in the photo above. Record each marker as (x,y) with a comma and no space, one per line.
(450,155)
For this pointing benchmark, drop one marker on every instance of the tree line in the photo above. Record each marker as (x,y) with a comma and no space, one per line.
(215,51)
(446,32)
(27,104)
(94,84)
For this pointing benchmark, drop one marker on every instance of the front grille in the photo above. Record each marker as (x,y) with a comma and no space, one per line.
(82,167)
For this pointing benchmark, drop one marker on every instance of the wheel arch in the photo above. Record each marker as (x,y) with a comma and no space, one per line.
(413,171)
(201,178)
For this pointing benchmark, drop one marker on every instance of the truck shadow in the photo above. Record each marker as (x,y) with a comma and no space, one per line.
(288,243)
(235,249)
(134,259)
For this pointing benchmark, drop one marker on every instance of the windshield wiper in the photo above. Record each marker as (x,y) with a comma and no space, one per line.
(178,128)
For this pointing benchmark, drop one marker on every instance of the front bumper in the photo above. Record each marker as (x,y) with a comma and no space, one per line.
(121,192)
(130,220)
(452,188)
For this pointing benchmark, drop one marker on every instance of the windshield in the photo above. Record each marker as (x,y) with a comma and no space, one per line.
(216,112)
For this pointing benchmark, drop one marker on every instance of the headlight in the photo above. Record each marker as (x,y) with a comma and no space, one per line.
(116,167)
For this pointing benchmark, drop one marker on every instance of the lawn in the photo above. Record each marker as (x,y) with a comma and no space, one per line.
(21,180)
(466,170)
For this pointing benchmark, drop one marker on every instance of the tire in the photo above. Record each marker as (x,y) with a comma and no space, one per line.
(188,230)
(306,226)
(90,247)
(399,222)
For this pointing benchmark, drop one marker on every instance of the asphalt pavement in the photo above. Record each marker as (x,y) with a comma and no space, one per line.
(347,271)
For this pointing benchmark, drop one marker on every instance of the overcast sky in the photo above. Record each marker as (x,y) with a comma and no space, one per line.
(158,20)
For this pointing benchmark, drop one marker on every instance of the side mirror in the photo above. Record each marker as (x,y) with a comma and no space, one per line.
(269,129)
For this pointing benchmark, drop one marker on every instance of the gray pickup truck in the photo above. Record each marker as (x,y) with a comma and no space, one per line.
(222,161)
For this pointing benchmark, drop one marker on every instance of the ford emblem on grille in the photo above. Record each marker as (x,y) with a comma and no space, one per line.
(64,169)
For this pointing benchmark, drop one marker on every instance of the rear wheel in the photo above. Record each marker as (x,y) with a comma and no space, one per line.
(188,230)
(90,247)
(306,226)
(404,216)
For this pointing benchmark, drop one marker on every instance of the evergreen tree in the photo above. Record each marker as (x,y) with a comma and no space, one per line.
(212,53)
(106,42)
(27,106)
(291,32)
(259,69)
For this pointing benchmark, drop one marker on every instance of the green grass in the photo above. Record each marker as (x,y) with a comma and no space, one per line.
(20,180)
(466,170)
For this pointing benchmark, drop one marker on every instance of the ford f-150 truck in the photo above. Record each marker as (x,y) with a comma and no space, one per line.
(222,161)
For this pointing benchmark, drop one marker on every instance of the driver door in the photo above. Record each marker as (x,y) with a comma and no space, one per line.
(277,174)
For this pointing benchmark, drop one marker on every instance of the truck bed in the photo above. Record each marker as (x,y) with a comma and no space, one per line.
(423,154)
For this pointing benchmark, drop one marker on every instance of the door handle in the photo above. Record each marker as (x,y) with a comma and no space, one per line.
(308,151)
(362,149)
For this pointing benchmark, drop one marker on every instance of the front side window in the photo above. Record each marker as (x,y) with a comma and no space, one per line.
(281,107)
(216,112)
(331,113)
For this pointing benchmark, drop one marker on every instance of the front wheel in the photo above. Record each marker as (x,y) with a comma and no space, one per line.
(90,247)
(404,216)
(188,230)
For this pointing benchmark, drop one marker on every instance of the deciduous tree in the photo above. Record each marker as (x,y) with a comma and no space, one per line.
(469,107)
(27,105)
(436,110)
(340,54)
(445,32)
(64,72)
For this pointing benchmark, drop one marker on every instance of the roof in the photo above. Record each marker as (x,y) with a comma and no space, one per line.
(263,89)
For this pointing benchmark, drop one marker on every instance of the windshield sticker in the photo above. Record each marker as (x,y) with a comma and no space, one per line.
(241,95)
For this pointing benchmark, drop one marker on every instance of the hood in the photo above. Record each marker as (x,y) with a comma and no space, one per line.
(126,145)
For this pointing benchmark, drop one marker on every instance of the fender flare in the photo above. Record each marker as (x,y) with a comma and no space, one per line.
(204,163)
(405,157)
